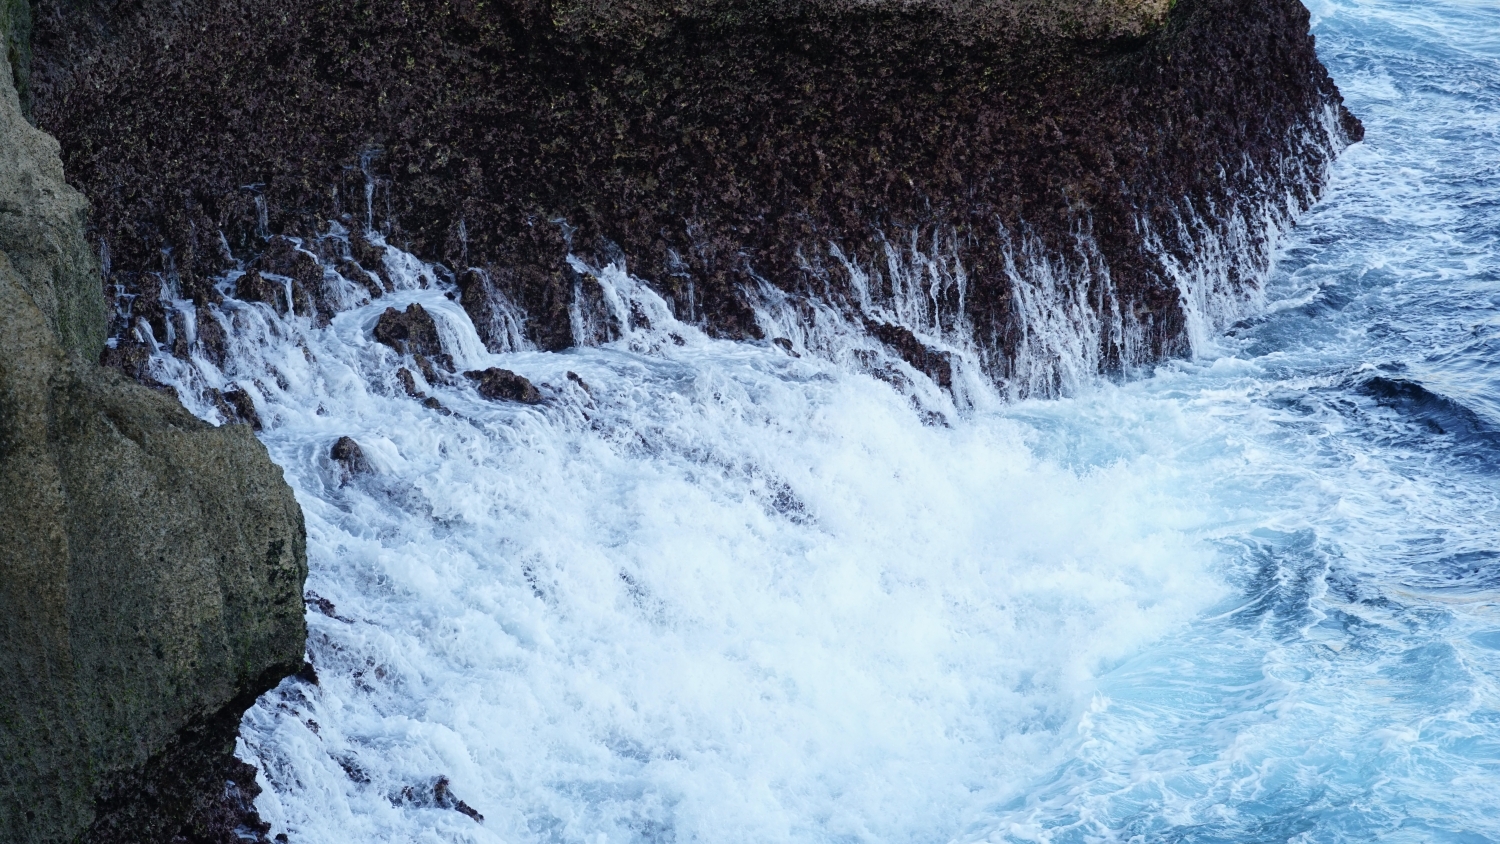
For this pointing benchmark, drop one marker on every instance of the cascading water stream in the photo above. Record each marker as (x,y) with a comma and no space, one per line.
(727,591)
(715,591)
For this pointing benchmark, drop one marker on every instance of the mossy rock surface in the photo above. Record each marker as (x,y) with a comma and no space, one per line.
(151,565)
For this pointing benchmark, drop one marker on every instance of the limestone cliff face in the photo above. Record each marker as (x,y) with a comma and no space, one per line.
(151,566)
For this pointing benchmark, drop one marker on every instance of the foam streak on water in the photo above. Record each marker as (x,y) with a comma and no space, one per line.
(719,592)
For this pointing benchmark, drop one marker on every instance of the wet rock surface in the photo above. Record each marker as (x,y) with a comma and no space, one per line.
(934,363)
(309,297)
(711,145)
(254,287)
(437,794)
(350,458)
(235,404)
(503,385)
(151,566)
(410,332)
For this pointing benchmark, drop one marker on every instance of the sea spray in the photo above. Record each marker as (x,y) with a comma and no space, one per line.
(708,590)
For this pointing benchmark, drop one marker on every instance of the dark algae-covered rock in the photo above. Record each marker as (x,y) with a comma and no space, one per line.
(503,385)
(151,565)
(411,331)
(350,458)
(850,152)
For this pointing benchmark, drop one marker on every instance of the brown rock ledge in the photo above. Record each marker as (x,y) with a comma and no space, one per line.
(714,144)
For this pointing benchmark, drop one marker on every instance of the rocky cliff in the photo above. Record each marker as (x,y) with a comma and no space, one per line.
(985,175)
(1021,183)
(151,566)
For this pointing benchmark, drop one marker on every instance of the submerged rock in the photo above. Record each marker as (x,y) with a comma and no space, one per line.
(503,385)
(408,383)
(350,458)
(151,565)
(436,794)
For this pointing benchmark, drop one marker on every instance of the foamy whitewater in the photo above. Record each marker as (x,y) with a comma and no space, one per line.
(715,592)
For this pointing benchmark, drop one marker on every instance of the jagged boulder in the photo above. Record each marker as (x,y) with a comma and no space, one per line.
(310,296)
(934,363)
(255,287)
(350,459)
(410,332)
(151,565)
(499,384)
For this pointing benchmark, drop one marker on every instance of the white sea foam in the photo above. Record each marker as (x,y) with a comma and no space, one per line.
(719,594)
(708,591)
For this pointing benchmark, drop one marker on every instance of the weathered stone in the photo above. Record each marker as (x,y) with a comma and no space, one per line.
(309,295)
(410,332)
(151,565)
(42,218)
(350,458)
(934,363)
(132,357)
(147,307)
(242,407)
(408,383)
(429,370)
(213,340)
(254,287)
(475,297)
(582,384)
(437,794)
(181,346)
(503,385)
(15,24)
(322,606)
(352,270)
(370,256)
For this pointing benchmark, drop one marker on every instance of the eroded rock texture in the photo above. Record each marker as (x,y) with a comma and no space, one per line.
(715,145)
(151,566)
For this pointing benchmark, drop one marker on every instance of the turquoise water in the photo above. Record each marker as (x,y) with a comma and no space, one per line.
(1348,689)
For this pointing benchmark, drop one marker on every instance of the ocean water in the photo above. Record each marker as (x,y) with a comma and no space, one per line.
(718,592)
